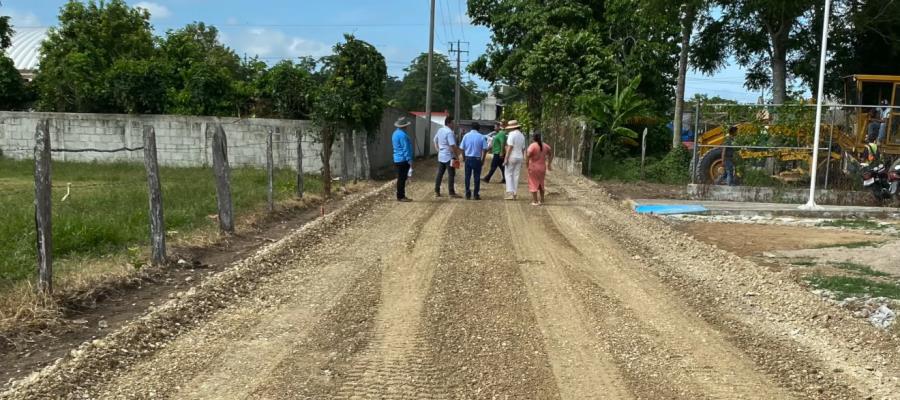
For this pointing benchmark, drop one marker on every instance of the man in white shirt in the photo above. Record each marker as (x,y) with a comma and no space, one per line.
(885,117)
(515,156)
(445,144)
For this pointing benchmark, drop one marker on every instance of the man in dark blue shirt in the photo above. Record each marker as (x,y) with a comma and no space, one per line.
(403,156)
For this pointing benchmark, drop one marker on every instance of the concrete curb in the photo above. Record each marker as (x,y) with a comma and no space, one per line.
(140,338)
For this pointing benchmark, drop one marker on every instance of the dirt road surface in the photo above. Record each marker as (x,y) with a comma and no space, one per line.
(453,299)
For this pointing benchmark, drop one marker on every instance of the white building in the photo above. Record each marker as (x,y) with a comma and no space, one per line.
(489,109)
(25,50)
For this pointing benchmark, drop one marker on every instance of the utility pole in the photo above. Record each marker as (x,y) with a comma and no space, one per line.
(458,50)
(427,148)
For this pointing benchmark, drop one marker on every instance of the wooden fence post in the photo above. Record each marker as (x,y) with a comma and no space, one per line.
(300,163)
(270,173)
(154,190)
(42,206)
(222,173)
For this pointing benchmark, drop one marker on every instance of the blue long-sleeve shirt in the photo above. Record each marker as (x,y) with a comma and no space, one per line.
(403,150)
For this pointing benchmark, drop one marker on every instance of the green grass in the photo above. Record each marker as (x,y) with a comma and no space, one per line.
(852,224)
(106,211)
(846,286)
(851,245)
(858,268)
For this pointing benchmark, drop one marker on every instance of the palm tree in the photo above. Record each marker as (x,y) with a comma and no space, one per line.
(609,114)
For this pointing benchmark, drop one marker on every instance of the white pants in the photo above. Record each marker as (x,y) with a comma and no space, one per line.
(513,168)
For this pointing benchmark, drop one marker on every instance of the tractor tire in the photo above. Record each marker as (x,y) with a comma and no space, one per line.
(711,167)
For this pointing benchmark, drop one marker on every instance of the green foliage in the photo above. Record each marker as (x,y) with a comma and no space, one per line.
(289,89)
(568,48)
(204,75)
(411,94)
(609,115)
(98,220)
(518,111)
(13,94)
(353,93)
(674,168)
(137,87)
(77,56)
(847,286)
(6,32)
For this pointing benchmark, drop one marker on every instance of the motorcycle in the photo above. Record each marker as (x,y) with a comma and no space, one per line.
(884,182)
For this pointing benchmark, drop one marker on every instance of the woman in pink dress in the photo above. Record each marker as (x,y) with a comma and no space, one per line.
(538,159)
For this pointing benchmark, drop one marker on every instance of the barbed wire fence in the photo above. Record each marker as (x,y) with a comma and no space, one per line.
(355,161)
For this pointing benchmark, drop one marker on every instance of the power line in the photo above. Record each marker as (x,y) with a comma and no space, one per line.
(449,16)
(462,27)
(239,25)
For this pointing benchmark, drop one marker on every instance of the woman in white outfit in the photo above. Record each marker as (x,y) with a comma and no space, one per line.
(515,156)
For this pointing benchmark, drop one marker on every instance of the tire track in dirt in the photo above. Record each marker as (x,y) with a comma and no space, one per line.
(304,293)
(480,327)
(582,366)
(393,366)
(791,359)
(713,365)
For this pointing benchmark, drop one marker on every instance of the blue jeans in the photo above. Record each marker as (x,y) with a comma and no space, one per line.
(473,170)
(728,177)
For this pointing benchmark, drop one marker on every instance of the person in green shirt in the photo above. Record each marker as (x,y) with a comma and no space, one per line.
(498,144)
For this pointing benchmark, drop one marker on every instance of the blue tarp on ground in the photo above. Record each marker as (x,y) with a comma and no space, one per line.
(669,209)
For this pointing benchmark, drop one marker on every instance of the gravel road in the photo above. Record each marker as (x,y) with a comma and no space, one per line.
(446,298)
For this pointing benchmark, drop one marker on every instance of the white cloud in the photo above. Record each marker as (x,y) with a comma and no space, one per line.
(157,11)
(272,43)
(21,19)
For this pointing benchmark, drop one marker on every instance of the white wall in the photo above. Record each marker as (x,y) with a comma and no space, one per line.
(181,140)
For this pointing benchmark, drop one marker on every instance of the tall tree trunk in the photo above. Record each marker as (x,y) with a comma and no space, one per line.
(779,69)
(687,30)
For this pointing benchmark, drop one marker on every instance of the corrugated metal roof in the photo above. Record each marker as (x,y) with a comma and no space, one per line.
(25,49)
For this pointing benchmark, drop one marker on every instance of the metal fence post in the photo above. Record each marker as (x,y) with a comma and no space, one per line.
(42,206)
(222,174)
(154,190)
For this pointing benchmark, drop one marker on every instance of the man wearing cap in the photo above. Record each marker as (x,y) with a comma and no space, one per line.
(473,148)
(497,150)
(515,156)
(445,144)
(403,156)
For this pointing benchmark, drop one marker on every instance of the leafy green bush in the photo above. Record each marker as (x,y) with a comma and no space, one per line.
(673,169)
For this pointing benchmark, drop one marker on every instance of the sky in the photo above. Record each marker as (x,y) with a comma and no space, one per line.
(279,29)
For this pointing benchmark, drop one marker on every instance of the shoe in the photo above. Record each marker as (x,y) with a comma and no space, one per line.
(477,197)
(503,181)
(508,196)
(405,200)
(485,180)
(468,197)
(437,195)
(454,196)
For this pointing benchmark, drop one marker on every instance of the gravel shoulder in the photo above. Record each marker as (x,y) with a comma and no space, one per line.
(445,298)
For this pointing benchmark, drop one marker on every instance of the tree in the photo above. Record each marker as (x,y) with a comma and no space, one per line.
(13,93)
(205,77)
(12,89)
(352,96)
(411,96)
(137,87)
(764,36)
(609,116)
(690,14)
(78,55)
(289,88)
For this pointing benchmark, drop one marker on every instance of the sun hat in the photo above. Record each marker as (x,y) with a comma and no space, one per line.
(402,122)
(513,124)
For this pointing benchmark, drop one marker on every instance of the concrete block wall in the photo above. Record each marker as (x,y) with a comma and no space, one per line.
(182,141)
